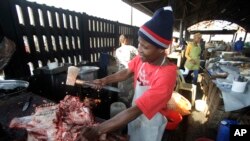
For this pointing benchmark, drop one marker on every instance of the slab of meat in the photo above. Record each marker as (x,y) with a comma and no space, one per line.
(42,125)
(59,122)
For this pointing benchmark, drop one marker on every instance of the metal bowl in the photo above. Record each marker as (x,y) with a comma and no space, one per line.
(88,72)
(10,87)
(12,84)
(87,69)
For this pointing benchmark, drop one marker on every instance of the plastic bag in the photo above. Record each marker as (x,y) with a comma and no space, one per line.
(7,48)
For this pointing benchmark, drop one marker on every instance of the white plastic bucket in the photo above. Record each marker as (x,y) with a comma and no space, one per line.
(116,108)
(52,65)
(239,86)
(200,105)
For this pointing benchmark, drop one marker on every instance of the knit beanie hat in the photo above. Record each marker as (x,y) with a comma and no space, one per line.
(158,31)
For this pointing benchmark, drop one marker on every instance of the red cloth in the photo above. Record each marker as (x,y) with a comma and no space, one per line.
(161,85)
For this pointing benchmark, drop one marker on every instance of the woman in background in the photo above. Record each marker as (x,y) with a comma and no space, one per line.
(192,55)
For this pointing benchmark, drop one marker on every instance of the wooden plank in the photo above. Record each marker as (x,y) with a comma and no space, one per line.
(213,31)
(48,43)
(39,34)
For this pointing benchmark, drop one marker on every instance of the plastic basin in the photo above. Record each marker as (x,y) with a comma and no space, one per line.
(174,118)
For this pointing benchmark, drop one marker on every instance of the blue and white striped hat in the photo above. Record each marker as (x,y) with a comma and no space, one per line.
(159,30)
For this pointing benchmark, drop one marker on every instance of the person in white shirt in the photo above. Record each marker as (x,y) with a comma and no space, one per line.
(124,54)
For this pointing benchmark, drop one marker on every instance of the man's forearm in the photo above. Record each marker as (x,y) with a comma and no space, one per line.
(119,120)
(118,76)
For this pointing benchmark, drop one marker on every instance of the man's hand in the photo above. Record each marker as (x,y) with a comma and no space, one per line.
(99,83)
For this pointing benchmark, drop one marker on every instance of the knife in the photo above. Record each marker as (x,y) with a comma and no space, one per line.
(114,89)
(110,88)
(27,103)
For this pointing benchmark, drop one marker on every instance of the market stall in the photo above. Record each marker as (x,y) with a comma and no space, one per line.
(226,86)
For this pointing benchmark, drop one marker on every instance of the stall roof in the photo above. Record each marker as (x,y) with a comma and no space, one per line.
(194,11)
(213,31)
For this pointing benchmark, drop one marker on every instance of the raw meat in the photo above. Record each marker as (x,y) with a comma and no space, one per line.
(60,122)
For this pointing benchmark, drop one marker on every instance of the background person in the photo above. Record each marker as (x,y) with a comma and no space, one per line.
(154,78)
(174,45)
(124,54)
(192,55)
(238,46)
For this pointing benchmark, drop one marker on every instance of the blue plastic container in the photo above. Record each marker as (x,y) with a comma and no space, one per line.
(224,129)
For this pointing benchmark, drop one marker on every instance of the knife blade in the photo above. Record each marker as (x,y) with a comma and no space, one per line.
(87,83)
(27,103)
(114,89)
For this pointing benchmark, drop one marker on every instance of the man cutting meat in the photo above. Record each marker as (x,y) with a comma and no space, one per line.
(154,78)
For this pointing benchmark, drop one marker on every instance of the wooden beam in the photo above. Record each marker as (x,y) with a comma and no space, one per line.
(139,7)
(213,31)
(143,1)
